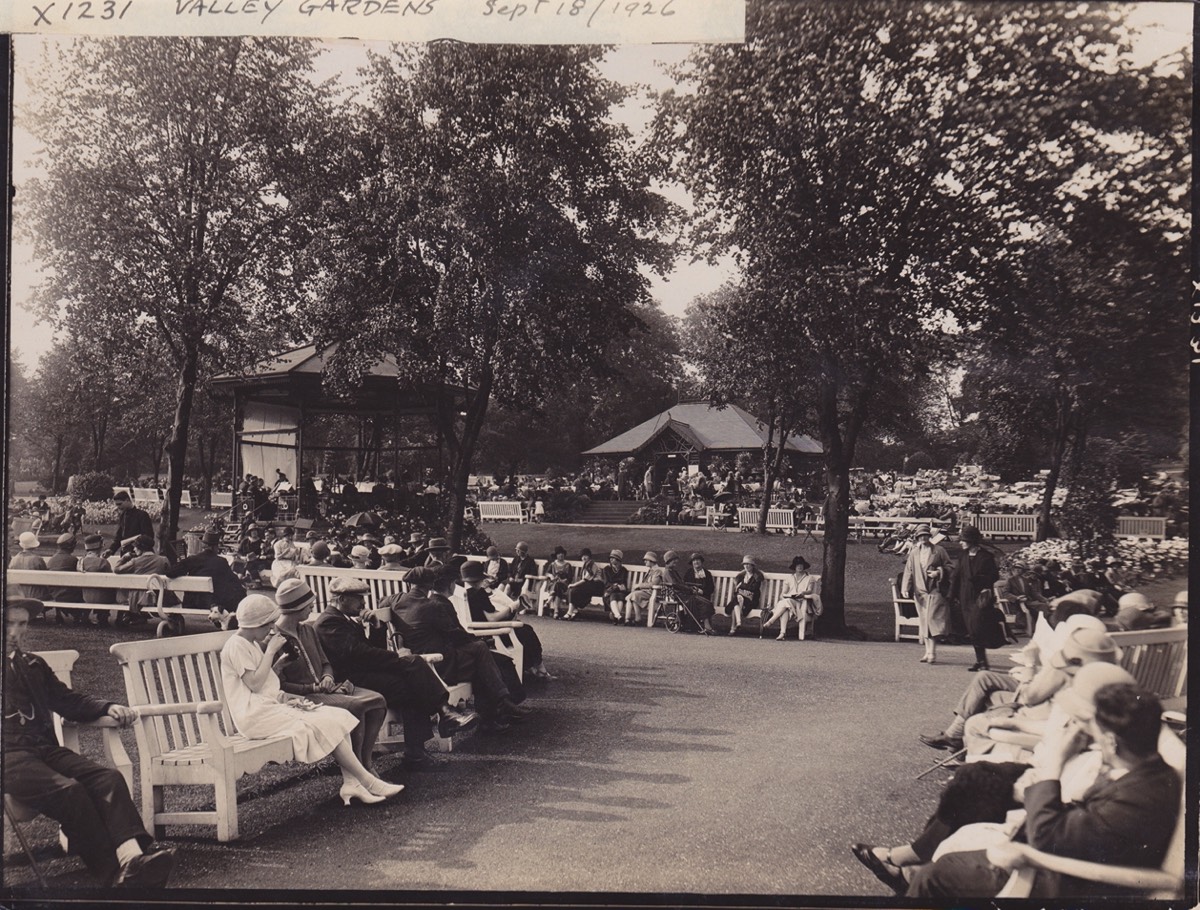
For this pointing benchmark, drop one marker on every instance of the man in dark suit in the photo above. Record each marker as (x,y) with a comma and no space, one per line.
(227,590)
(429,625)
(406,681)
(495,568)
(131,522)
(1126,818)
(90,801)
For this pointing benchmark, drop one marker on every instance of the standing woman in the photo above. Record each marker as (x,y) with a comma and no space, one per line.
(974,574)
(260,709)
(286,557)
(797,589)
(309,674)
(926,573)
(747,587)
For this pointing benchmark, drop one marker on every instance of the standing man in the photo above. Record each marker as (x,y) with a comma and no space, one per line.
(926,577)
(406,681)
(91,802)
(131,522)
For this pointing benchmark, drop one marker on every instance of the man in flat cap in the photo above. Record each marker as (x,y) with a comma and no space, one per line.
(92,561)
(64,560)
(142,561)
(406,681)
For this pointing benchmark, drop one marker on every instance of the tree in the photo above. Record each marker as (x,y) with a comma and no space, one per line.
(870,167)
(175,195)
(51,420)
(494,233)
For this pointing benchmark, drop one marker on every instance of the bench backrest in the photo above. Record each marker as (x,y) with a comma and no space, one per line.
(1157,658)
(146,494)
(47,579)
(491,510)
(1141,526)
(62,663)
(381,582)
(166,671)
(999,523)
(222,500)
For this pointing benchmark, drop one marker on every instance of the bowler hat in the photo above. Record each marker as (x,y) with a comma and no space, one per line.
(28,540)
(293,595)
(1079,699)
(255,611)
(970,534)
(211,539)
(93,542)
(472,571)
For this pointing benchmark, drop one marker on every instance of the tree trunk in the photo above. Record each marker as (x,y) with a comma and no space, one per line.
(1058,450)
(58,451)
(177,453)
(462,451)
(768,473)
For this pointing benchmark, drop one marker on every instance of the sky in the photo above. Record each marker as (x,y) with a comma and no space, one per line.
(1164,28)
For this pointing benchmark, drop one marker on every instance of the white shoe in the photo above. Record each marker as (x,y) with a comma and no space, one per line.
(381,788)
(352,789)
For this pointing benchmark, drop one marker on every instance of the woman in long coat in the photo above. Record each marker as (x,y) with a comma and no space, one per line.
(974,574)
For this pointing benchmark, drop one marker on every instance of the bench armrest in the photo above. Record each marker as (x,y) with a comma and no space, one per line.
(499,624)
(1013,856)
(183,707)
(105,721)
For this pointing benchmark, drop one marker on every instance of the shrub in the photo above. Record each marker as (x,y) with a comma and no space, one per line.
(653,513)
(92,486)
(563,505)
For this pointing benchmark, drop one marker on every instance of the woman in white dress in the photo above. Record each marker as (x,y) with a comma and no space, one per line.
(287,554)
(260,709)
(799,589)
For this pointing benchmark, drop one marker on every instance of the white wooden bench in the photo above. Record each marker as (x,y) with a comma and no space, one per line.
(777,519)
(1157,659)
(185,499)
(170,617)
(1004,525)
(221,500)
(542,583)
(62,663)
(1137,527)
(502,511)
(145,496)
(185,735)
(908,627)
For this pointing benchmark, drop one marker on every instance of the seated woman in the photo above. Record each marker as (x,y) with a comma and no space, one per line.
(799,593)
(639,596)
(561,573)
(589,584)
(616,586)
(699,606)
(479,604)
(260,709)
(702,581)
(747,588)
(307,671)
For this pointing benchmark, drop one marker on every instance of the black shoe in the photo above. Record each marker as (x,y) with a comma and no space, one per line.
(494,725)
(941,742)
(419,761)
(865,854)
(150,870)
(975,668)
(511,708)
(449,724)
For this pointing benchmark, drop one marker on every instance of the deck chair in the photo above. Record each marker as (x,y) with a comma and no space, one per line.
(1164,883)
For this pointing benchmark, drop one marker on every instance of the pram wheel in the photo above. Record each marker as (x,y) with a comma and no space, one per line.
(672,622)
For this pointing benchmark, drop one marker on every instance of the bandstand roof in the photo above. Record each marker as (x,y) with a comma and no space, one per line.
(706,428)
(295,378)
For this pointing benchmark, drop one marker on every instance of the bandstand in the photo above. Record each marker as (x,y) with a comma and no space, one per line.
(287,420)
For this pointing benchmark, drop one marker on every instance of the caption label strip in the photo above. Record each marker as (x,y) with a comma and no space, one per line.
(476,21)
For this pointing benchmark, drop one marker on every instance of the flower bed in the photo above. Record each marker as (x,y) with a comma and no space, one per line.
(1142,561)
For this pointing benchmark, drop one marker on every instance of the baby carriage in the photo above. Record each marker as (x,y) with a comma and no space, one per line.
(674,612)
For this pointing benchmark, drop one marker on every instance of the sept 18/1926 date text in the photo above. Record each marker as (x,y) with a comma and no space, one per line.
(580,9)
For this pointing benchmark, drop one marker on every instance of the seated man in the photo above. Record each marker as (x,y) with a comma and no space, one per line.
(407,682)
(1126,818)
(29,560)
(1135,612)
(227,590)
(1018,687)
(428,624)
(481,609)
(142,561)
(92,561)
(495,569)
(64,560)
(90,801)
(521,566)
